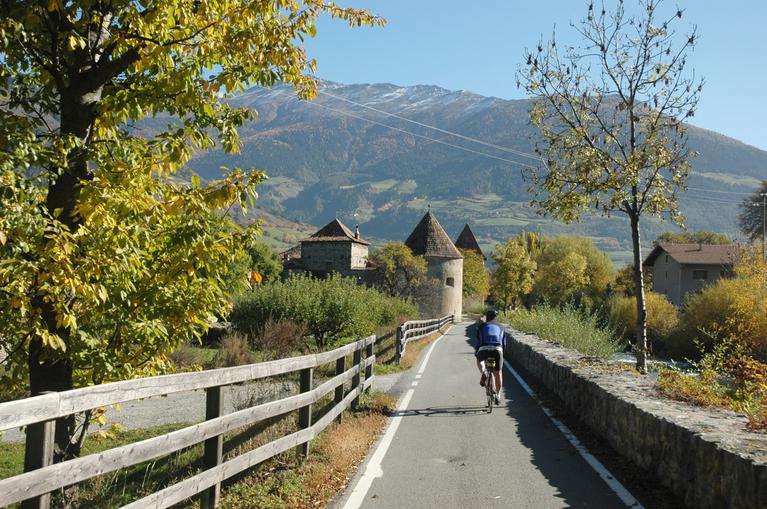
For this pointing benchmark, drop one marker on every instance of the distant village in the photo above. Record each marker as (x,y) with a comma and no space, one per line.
(334,248)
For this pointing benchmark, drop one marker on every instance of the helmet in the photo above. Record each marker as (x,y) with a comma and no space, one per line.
(491,314)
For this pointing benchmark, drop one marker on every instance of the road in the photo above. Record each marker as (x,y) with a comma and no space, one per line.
(442,448)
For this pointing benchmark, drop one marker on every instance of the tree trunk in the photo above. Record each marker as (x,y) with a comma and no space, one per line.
(641,324)
(47,371)
(51,374)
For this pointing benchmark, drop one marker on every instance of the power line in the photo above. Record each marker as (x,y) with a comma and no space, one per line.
(717,191)
(346,113)
(443,131)
(709,198)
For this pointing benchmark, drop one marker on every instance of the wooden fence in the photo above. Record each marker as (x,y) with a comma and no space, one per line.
(416,329)
(41,477)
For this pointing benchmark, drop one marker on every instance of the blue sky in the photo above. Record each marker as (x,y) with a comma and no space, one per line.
(478,46)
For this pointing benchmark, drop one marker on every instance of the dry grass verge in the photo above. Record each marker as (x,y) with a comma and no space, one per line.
(333,458)
(414,349)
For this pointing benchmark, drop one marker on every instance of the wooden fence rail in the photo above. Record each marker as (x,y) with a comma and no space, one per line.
(416,329)
(39,413)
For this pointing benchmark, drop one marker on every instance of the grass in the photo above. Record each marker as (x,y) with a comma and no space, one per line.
(333,457)
(118,488)
(568,327)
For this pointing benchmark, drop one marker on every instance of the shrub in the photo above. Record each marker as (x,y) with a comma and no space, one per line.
(567,326)
(281,338)
(662,316)
(726,376)
(234,351)
(326,310)
(735,308)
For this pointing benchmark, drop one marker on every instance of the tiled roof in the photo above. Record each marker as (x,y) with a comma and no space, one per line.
(429,239)
(695,254)
(467,240)
(294,253)
(335,231)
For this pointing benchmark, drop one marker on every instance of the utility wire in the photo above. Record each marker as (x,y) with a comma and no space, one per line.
(443,131)
(708,198)
(717,191)
(346,113)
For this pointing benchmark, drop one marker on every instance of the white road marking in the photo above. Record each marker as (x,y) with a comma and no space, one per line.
(373,469)
(615,485)
(414,383)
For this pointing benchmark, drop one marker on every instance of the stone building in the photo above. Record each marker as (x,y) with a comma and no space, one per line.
(444,263)
(678,269)
(466,240)
(334,248)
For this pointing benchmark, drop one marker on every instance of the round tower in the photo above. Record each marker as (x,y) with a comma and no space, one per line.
(444,265)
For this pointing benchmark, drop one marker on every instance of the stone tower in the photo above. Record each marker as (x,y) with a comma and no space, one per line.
(444,263)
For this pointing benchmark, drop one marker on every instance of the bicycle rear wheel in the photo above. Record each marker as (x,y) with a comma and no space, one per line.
(489,392)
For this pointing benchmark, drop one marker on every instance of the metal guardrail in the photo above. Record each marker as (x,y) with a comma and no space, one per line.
(33,488)
(416,329)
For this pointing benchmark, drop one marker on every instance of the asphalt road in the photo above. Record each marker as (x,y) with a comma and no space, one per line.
(447,451)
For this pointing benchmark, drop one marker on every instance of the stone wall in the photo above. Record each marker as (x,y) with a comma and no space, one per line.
(706,456)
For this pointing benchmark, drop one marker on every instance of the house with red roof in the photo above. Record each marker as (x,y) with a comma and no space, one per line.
(680,269)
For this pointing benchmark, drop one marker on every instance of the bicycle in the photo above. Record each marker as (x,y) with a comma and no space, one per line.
(489,383)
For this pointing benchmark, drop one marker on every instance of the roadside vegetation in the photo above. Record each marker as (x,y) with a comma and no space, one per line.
(720,331)
(568,327)
(280,482)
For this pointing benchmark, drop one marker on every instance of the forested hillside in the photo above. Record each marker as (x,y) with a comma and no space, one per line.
(334,157)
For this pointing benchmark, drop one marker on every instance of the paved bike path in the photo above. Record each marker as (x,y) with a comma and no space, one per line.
(448,452)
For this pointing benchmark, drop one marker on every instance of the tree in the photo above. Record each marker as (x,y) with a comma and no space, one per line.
(590,288)
(559,281)
(610,115)
(515,272)
(624,282)
(400,272)
(264,260)
(106,263)
(751,217)
(698,237)
(476,280)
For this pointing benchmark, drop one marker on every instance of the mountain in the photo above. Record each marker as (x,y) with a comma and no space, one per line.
(333,157)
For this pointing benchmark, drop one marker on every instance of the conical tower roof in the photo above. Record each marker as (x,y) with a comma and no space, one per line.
(429,239)
(467,240)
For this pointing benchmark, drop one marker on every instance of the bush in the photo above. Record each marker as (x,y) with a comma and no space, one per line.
(326,310)
(281,338)
(727,377)
(662,316)
(567,326)
(234,351)
(730,308)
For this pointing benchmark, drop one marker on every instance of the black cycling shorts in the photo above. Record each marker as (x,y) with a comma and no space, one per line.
(483,355)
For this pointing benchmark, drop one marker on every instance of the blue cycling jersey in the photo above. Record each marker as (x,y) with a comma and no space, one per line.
(491,334)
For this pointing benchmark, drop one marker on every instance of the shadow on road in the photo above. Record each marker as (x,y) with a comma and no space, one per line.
(441,411)
(550,452)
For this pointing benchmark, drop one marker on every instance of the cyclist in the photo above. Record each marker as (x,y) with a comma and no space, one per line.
(491,340)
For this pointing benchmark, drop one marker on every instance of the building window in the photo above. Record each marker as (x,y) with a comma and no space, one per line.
(450,281)
(666,258)
(700,275)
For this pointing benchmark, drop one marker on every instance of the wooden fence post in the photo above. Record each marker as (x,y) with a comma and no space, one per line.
(369,368)
(339,397)
(305,412)
(214,446)
(38,453)
(398,343)
(356,360)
